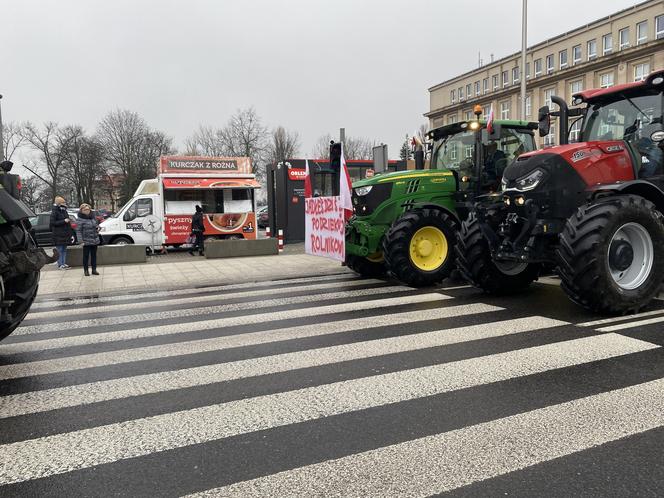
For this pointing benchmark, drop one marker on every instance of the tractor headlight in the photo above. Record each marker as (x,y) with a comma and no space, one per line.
(530,181)
(361,191)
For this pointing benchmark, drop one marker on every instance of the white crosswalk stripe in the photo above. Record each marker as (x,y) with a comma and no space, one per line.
(75,403)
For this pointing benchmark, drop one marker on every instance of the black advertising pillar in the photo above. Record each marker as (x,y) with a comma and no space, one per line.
(286,199)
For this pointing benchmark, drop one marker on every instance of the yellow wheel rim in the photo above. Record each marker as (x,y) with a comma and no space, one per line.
(428,248)
(376,257)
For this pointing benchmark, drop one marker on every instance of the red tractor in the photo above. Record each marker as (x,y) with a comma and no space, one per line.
(593,210)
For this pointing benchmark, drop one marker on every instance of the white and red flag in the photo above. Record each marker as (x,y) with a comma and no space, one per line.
(489,122)
(308,192)
(345,197)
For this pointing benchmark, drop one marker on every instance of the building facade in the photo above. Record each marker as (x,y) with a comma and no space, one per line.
(623,47)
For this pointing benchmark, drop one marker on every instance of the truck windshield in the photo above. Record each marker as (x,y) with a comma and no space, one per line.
(625,118)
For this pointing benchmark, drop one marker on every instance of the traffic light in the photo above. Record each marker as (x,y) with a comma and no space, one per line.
(335,156)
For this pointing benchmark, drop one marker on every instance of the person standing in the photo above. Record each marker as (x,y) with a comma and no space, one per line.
(88,234)
(197,230)
(60,226)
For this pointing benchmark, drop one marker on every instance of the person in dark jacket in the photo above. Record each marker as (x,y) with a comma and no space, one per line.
(60,226)
(10,182)
(88,235)
(197,230)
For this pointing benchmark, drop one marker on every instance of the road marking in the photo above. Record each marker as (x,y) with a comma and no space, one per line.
(112,308)
(447,461)
(65,364)
(37,343)
(621,318)
(629,325)
(81,394)
(205,310)
(52,455)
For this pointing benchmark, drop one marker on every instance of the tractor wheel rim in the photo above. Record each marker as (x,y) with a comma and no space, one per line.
(629,275)
(428,248)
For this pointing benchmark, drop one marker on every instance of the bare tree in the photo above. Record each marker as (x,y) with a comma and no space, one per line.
(354,147)
(205,141)
(131,147)
(245,136)
(52,143)
(321,149)
(284,145)
(34,192)
(422,131)
(13,137)
(85,165)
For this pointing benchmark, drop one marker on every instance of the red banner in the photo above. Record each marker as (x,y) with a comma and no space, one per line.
(178,227)
(193,183)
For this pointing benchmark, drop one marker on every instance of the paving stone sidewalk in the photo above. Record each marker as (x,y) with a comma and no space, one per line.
(169,273)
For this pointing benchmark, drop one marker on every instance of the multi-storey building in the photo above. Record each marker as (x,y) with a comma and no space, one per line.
(620,48)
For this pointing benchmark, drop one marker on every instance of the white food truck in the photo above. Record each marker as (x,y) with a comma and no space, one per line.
(222,186)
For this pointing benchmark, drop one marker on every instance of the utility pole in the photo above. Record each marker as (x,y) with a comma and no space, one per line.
(524,41)
(2,143)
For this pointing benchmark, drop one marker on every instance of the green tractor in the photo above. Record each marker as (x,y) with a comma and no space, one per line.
(405,222)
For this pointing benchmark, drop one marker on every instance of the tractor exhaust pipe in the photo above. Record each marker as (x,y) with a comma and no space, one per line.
(564,119)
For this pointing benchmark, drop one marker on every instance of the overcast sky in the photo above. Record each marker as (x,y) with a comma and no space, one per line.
(310,65)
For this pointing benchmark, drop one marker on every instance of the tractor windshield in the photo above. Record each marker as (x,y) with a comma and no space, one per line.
(452,150)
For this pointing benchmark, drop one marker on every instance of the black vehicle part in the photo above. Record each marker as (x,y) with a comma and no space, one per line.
(364,266)
(397,242)
(477,266)
(592,255)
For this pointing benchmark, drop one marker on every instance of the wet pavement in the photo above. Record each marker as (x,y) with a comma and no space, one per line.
(330,385)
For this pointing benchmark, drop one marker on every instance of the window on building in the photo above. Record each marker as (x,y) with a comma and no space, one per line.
(494,82)
(575,131)
(623,38)
(460,92)
(606,80)
(453,96)
(477,88)
(538,67)
(547,97)
(486,109)
(549,64)
(468,115)
(453,150)
(576,55)
(506,79)
(641,32)
(550,139)
(659,27)
(485,85)
(468,151)
(505,110)
(592,49)
(575,87)
(469,90)
(641,71)
(451,119)
(529,106)
(607,44)
(562,59)
(515,75)
(527,70)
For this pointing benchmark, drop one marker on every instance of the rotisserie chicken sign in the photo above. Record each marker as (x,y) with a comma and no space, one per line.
(325,227)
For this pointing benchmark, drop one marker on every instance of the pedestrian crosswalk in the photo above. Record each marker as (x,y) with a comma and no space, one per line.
(318,387)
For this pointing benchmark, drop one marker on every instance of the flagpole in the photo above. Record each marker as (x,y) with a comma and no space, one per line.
(524,31)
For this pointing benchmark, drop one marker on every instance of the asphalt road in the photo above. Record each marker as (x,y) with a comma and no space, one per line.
(331,386)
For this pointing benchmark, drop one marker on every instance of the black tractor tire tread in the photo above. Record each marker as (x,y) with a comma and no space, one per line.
(475,264)
(396,247)
(578,260)
(362,266)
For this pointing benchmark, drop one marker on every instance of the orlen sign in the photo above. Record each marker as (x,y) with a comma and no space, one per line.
(296,174)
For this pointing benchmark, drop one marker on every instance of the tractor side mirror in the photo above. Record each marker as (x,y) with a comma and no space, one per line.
(544,121)
(495,133)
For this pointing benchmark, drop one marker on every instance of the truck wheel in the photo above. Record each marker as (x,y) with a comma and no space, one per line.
(476,265)
(372,266)
(611,254)
(122,241)
(419,247)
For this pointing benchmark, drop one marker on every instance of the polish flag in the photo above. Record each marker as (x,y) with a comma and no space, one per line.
(489,122)
(345,197)
(307,180)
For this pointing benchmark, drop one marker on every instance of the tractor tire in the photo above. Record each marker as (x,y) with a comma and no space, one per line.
(419,247)
(611,254)
(365,267)
(478,268)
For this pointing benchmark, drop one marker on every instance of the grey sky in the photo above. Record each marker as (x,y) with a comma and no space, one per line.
(309,65)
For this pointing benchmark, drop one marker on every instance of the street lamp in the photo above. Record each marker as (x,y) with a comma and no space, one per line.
(524,42)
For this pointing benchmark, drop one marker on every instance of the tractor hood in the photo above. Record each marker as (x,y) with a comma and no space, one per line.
(401,175)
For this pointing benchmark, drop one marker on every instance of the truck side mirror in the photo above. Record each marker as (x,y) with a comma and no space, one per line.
(544,121)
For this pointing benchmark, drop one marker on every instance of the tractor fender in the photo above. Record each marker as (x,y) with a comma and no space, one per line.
(642,188)
(432,205)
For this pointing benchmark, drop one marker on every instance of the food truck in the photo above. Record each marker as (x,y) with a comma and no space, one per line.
(222,186)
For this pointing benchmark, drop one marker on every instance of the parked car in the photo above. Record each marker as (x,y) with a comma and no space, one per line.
(41,231)
(262,217)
